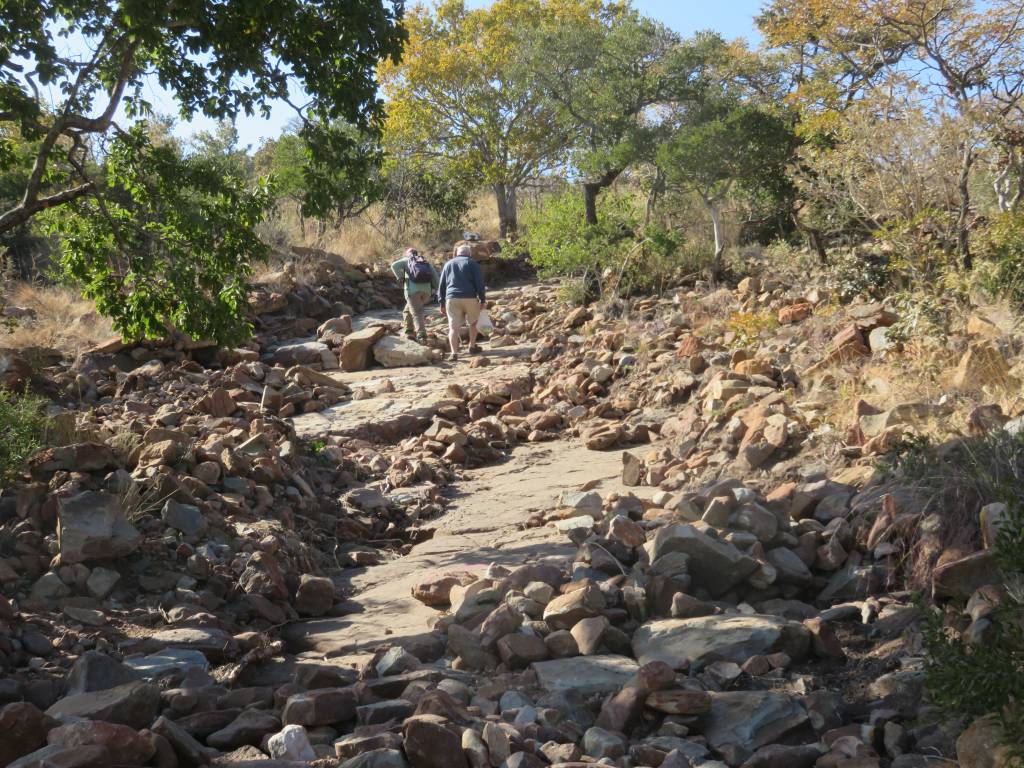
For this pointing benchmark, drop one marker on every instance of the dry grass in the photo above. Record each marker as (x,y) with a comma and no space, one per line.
(365,239)
(63,321)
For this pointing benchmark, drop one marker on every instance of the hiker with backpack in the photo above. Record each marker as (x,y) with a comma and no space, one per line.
(462,296)
(420,280)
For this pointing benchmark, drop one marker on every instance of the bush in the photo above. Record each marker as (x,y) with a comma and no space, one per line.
(560,243)
(974,680)
(1003,246)
(617,255)
(23,429)
(855,274)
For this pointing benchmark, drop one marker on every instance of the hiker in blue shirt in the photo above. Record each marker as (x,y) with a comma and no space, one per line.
(420,280)
(462,295)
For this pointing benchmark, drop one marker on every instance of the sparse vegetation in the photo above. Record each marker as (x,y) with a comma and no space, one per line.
(23,430)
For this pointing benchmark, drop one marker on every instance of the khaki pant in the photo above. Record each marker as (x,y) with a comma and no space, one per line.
(414,313)
(461,311)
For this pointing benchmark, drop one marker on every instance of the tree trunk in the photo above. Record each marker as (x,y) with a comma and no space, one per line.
(508,220)
(963,243)
(716,225)
(591,189)
(818,244)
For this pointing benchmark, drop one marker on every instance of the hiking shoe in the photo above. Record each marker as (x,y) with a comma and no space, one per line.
(422,340)
(411,335)
(474,350)
(452,357)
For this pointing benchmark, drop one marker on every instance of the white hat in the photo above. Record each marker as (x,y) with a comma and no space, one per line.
(463,250)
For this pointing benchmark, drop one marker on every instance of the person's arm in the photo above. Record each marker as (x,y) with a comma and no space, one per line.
(399,268)
(434,279)
(442,286)
(478,278)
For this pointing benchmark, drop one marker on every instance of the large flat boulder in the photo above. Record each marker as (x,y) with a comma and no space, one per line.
(715,565)
(702,640)
(355,350)
(396,352)
(132,704)
(585,674)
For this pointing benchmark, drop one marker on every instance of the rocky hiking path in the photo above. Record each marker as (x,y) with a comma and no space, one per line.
(484,520)
(483,525)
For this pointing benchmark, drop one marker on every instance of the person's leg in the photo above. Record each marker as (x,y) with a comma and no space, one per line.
(418,304)
(455,317)
(472,316)
(409,313)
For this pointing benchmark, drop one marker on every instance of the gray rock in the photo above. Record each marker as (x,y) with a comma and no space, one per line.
(248,728)
(585,675)
(168,660)
(186,518)
(396,352)
(133,704)
(744,721)
(101,582)
(215,644)
(702,640)
(715,565)
(91,526)
(300,353)
(599,743)
(95,671)
(291,743)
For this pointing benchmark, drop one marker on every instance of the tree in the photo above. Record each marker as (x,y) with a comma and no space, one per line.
(159,238)
(218,59)
(461,93)
(166,243)
(965,57)
(721,143)
(605,77)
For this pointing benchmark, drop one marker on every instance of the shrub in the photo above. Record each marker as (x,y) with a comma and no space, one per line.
(1003,246)
(855,273)
(23,428)
(560,243)
(974,680)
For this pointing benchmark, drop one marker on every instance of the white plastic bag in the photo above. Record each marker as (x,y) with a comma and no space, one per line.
(484,324)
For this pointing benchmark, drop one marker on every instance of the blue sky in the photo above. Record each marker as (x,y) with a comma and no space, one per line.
(730,18)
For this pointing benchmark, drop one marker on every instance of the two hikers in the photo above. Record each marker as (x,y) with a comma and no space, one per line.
(420,279)
(462,295)
(460,289)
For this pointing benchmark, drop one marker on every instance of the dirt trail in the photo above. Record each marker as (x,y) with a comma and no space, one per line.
(483,524)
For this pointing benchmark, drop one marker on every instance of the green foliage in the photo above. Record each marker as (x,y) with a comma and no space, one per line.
(168,245)
(435,190)
(559,242)
(23,427)
(1003,246)
(920,314)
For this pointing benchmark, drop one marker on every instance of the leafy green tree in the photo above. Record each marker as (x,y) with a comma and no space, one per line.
(167,244)
(461,92)
(723,144)
(962,59)
(221,147)
(219,60)
(607,77)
